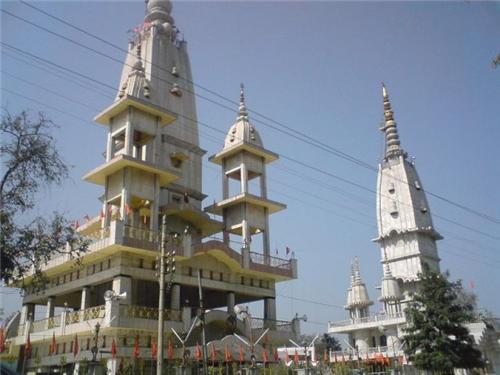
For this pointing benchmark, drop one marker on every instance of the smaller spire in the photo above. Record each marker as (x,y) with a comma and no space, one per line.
(392,143)
(242,112)
(356,272)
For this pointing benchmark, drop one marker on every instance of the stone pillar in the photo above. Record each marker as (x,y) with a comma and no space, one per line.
(155,207)
(263,182)
(265,238)
(109,148)
(50,311)
(175,297)
(244,178)
(125,199)
(27,313)
(245,234)
(129,134)
(270,313)
(187,242)
(230,302)
(123,284)
(85,301)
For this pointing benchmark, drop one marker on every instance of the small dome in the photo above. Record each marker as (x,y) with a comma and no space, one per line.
(158,10)
(242,131)
(390,286)
(357,294)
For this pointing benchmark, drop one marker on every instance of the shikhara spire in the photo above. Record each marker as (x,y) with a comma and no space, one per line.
(392,143)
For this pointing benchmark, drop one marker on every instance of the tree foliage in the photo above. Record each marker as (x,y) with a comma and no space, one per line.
(30,162)
(436,338)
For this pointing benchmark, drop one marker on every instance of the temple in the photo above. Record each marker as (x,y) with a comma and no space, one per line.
(153,168)
(407,240)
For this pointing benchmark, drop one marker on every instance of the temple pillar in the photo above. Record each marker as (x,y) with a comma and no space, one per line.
(175,297)
(123,284)
(270,313)
(230,302)
(85,301)
(27,313)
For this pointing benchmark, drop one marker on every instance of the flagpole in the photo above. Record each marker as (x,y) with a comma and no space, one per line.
(161,300)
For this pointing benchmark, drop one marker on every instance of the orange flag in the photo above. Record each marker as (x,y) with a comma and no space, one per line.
(136,347)
(113,349)
(242,354)
(75,346)
(52,347)
(154,349)
(170,352)
(276,355)
(227,354)
(265,356)
(2,341)
(296,357)
(325,356)
(335,357)
(197,352)
(214,353)
(287,357)
(27,347)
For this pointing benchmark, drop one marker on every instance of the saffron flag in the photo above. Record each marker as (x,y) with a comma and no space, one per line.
(287,357)
(2,341)
(325,356)
(27,347)
(296,356)
(265,356)
(75,346)
(242,354)
(276,355)
(113,349)
(154,349)
(213,354)
(136,347)
(127,209)
(170,352)
(52,348)
(197,352)
(335,357)
(227,354)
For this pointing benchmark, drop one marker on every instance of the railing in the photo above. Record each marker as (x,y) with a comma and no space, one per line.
(54,321)
(95,312)
(270,261)
(367,319)
(141,234)
(280,325)
(144,312)
(376,352)
(73,317)
(99,234)
(39,325)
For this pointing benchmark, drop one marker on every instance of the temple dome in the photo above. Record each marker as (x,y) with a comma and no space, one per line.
(242,131)
(158,10)
(390,287)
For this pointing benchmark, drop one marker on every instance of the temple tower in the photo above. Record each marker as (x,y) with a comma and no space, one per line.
(244,158)
(405,231)
(358,302)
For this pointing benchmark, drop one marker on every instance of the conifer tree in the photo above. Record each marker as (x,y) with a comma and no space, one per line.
(436,338)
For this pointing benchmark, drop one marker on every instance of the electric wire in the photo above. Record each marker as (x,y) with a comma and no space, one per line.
(305,138)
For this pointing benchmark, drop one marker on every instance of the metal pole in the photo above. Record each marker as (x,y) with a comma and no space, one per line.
(161,299)
(202,320)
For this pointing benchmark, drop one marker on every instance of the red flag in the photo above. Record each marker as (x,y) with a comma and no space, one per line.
(170,353)
(335,357)
(76,224)
(127,209)
(101,214)
(296,356)
(197,352)
(242,354)
(276,355)
(287,357)
(75,346)
(213,354)
(113,349)
(52,347)
(472,284)
(27,347)
(136,347)
(2,341)
(265,356)
(154,349)
(325,356)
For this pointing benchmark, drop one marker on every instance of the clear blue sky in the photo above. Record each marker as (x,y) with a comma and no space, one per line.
(316,67)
